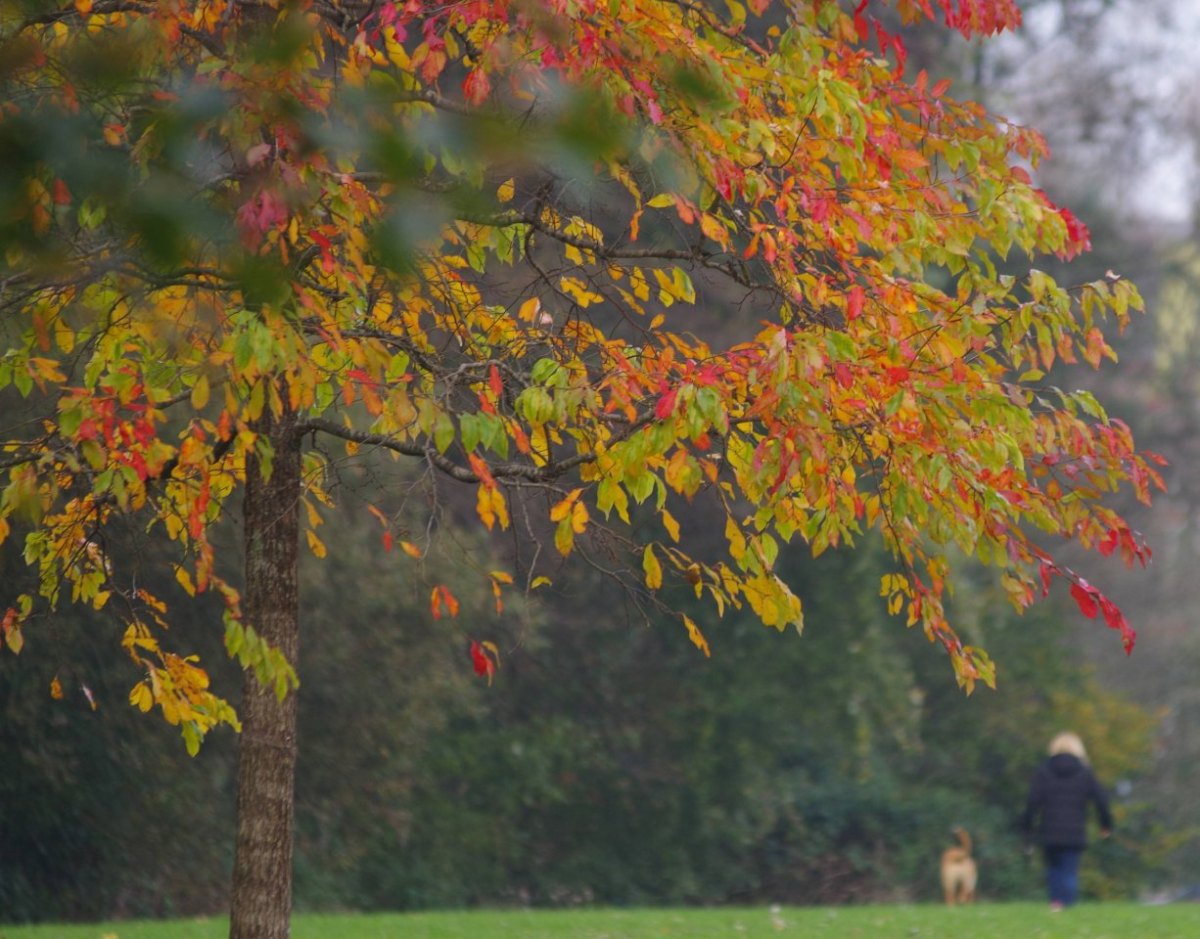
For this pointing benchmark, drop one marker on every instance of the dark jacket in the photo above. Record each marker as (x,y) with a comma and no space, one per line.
(1056,811)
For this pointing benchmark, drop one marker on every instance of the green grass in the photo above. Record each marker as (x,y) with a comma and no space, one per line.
(984,921)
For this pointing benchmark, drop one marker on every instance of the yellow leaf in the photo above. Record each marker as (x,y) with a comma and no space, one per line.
(56,691)
(908,159)
(562,509)
(500,507)
(713,229)
(185,580)
(737,541)
(670,525)
(396,52)
(578,291)
(483,507)
(564,537)
(696,636)
(641,286)
(64,335)
(500,577)
(410,549)
(315,544)
(652,568)
(529,310)
(579,518)
(506,190)
(200,393)
(140,697)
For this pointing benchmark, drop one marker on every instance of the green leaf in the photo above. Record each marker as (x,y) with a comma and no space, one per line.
(443,431)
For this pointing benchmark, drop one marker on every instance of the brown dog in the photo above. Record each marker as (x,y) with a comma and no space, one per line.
(959,873)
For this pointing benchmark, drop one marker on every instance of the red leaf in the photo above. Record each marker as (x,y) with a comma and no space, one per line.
(483,663)
(1112,614)
(449,600)
(1109,544)
(324,244)
(860,21)
(1077,233)
(482,471)
(666,404)
(476,86)
(854,302)
(1046,571)
(1083,597)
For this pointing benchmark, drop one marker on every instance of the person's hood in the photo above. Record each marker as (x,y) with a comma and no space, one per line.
(1064,765)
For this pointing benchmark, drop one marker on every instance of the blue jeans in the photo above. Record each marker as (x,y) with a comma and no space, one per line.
(1062,874)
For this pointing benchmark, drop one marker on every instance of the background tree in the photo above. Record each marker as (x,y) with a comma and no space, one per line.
(475,236)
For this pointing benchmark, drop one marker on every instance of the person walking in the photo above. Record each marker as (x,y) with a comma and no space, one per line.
(1056,814)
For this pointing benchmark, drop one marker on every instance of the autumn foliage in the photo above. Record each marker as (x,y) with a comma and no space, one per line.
(593,259)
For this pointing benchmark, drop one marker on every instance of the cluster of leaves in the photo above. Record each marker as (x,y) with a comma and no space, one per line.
(482,235)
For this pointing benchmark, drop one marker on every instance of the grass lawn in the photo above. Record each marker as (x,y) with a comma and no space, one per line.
(984,921)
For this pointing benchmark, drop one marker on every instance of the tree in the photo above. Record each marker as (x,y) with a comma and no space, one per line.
(496,239)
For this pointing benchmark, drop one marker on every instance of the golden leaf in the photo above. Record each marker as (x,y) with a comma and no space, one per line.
(315,544)
(696,636)
(652,568)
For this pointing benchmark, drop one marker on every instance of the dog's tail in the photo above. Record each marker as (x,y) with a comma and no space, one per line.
(964,838)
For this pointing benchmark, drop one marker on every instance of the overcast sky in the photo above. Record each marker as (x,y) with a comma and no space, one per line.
(1118,96)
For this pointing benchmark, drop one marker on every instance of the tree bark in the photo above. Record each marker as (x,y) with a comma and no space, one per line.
(261,901)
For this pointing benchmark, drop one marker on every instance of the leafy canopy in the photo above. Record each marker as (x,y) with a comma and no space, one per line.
(593,259)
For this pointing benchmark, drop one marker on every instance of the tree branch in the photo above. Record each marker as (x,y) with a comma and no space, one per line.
(514,471)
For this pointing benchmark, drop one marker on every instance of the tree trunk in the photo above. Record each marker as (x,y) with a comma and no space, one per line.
(261,902)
